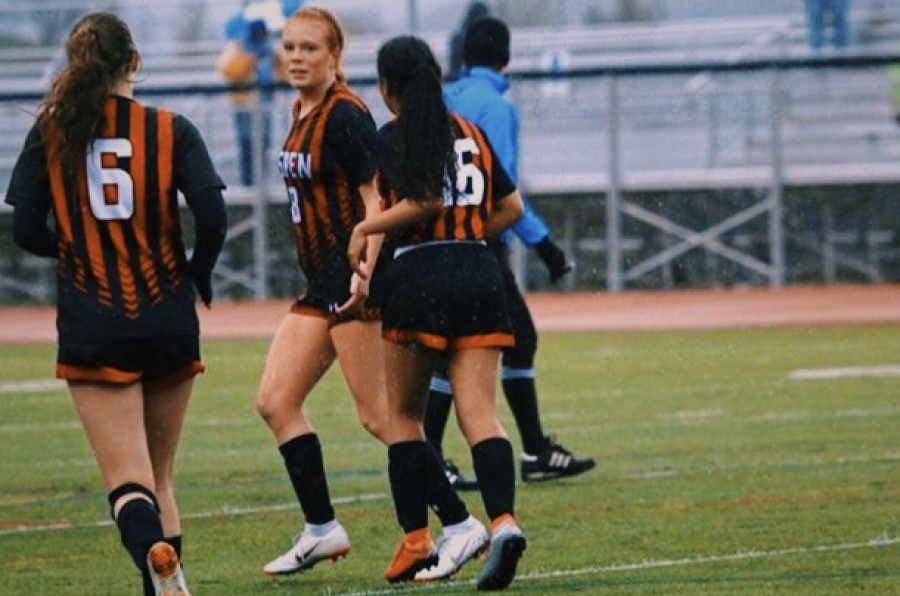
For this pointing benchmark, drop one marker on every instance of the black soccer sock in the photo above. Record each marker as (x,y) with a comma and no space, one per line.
(442,498)
(140,528)
(437,412)
(408,464)
(521,394)
(306,468)
(496,473)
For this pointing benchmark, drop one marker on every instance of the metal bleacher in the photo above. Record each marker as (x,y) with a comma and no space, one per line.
(714,152)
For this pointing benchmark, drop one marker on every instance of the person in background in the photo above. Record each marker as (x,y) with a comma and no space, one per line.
(894,78)
(455,46)
(479,95)
(248,56)
(443,300)
(108,170)
(827,18)
(328,163)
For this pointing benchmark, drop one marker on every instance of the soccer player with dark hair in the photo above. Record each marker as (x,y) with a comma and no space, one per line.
(443,300)
(108,170)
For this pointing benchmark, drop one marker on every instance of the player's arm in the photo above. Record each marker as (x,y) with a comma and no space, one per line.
(211,225)
(403,214)
(31,232)
(202,187)
(29,194)
(506,212)
(359,287)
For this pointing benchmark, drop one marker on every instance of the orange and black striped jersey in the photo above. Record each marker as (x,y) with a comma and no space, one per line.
(327,156)
(122,262)
(480,182)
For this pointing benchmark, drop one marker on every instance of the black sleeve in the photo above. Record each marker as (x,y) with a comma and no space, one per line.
(194,169)
(503,184)
(29,194)
(355,141)
(211,225)
(387,161)
(30,231)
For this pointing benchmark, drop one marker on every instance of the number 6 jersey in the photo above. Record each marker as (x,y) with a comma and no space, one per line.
(121,256)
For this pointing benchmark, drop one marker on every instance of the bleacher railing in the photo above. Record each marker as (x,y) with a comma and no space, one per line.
(606,145)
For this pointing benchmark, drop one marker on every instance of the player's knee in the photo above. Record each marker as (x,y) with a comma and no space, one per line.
(119,496)
(269,407)
(374,423)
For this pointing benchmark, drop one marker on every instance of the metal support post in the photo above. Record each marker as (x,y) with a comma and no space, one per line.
(776,184)
(613,194)
(260,204)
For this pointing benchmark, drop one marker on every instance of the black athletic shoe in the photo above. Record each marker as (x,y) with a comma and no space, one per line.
(457,480)
(555,462)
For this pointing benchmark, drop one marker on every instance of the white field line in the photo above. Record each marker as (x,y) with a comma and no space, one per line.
(664,419)
(225,512)
(845,372)
(33,386)
(74,424)
(881,542)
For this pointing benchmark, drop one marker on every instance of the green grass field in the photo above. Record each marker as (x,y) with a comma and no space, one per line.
(720,473)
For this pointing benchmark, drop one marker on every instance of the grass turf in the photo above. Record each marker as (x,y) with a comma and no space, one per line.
(718,472)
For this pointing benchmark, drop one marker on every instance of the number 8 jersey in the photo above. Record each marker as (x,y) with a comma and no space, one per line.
(121,256)
(327,156)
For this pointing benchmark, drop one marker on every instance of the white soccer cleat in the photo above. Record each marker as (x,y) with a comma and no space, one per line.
(309,550)
(457,546)
(165,571)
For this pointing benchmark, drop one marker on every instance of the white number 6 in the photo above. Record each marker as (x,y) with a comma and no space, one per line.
(99,177)
(469,179)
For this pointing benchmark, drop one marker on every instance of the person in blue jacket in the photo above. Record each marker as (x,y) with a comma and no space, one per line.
(479,96)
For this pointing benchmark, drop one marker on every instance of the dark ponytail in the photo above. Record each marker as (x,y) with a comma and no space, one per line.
(426,158)
(100,53)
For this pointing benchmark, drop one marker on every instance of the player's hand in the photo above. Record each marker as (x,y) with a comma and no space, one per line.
(357,248)
(359,291)
(203,282)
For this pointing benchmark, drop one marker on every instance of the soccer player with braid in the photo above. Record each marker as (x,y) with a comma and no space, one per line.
(446,194)
(328,163)
(108,169)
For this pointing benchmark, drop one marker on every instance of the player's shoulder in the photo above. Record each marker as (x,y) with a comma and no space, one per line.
(344,98)
(467,127)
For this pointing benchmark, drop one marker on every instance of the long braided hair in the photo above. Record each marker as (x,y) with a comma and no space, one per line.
(426,158)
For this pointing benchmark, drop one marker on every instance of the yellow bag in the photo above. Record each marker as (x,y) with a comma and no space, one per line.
(235,64)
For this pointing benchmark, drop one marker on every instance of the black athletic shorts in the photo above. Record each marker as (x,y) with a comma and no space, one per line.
(329,288)
(446,296)
(156,362)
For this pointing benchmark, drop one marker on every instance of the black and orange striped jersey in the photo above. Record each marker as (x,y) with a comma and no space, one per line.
(327,156)
(481,181)
(121,256)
